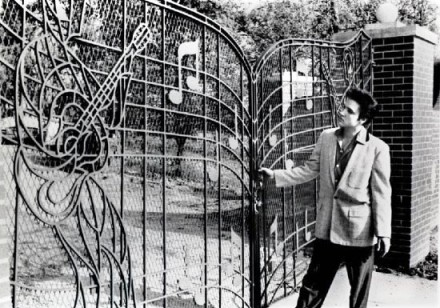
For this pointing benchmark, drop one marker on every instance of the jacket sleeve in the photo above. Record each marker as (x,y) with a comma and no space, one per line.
(381,193)
(301,174)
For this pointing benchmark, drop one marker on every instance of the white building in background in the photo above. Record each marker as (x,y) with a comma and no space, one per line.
(297,84)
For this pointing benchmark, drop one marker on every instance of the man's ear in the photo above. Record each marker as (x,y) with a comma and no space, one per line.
(363,121)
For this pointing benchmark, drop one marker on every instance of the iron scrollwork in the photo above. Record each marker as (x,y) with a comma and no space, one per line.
(58,157)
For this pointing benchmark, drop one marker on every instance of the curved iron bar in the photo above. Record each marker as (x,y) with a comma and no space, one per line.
(213,77)
(301,149)
(327,80)
(305,43)
(206,287)
(230,168)
(283,244)
(15,34)
(282,262)
(22,191)
(186,113)
(282,282)
(214,266)
(126,282)
(274,128)
(289,84)
(63,289)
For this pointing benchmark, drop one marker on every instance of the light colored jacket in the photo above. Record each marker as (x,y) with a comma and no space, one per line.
(358,209)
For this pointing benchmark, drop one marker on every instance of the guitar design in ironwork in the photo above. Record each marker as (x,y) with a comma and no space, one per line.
(57,159)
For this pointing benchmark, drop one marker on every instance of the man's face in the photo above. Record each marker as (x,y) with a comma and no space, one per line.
(348,114)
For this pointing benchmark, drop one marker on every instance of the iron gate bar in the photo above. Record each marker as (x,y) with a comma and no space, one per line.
(283,199)
(16,246)
(205,176)
(265,238)
(145,170)
(218,153)
(164,162)
(294,222)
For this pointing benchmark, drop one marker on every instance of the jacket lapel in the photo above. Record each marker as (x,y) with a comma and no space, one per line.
(332,157)
(356,155)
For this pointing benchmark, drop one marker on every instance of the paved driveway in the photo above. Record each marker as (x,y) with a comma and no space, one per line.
(387,291)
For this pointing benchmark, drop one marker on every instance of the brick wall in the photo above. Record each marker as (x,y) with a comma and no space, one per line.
(408,122)
(425,158)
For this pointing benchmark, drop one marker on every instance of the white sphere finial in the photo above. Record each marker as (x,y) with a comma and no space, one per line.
(386,13)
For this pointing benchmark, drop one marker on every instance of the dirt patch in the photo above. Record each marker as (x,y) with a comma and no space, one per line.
(428,268)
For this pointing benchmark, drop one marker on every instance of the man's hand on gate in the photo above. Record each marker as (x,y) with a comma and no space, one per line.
(383,245)
(267,173)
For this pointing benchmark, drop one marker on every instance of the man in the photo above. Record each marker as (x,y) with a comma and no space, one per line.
(354,205)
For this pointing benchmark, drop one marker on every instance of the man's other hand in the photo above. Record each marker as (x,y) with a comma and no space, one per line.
(383,246)
(267,173)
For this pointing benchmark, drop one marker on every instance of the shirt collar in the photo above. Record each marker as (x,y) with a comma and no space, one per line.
(361,136)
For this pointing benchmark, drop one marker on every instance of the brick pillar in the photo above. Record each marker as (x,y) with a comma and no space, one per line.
(409,124)
(5,290)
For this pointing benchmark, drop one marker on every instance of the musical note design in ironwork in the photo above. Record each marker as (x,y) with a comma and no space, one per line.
(272,137)
(288,162)
(233,141)
(186,49)
(213,173)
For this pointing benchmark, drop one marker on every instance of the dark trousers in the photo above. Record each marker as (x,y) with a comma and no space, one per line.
(326,260)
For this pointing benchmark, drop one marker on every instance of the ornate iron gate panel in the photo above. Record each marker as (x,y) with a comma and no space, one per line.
(299,84)
(130,124)
(131,132)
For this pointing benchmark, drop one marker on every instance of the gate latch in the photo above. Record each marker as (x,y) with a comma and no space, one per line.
(257,204)
(258,199)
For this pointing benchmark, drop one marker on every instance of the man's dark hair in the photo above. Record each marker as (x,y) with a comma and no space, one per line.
(367,104)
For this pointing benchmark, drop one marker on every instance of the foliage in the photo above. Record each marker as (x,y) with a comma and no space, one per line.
(419,12)
(257,29)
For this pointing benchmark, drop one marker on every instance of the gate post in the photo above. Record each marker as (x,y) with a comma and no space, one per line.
(408,122)
(5,290)
(255,276)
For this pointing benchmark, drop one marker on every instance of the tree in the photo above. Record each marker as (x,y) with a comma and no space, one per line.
(259,28)
(419,12)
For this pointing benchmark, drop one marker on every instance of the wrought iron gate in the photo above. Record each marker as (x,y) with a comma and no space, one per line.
(299,84)
(132,131)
